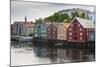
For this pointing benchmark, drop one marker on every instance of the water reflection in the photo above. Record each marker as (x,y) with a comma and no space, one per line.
(53,54)
(65,55)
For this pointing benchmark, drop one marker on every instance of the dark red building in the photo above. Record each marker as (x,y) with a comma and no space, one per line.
(52,31)
(78,30)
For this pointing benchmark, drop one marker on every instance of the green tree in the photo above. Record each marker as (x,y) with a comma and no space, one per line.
(56,17)
(40,20)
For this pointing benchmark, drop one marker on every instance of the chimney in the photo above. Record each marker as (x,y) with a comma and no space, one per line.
(25,19)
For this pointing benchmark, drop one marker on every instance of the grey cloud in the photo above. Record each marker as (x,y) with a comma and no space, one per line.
(34,10)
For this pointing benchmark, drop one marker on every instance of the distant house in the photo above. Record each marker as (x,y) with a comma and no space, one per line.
(88,14)
(81,30)
(40,30)
(18,28)
(22,28)
(28,28)
(52,32)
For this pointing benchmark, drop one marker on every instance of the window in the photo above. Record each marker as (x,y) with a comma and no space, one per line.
(70,37)
(53,32)
(92,37)
(75,38)
(42,27)
(70,29)
(43,30)
(49,32)
(81,33)
(35,30)
(70,33)
(80,29)
(53,37)
(75,21)
(36,35)
(80,38)
(78,25)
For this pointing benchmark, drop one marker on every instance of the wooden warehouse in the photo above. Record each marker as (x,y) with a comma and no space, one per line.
(40,31)
(81,30)
(61,30)
(52,32)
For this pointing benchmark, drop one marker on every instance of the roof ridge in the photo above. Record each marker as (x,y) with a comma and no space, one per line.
(85,22)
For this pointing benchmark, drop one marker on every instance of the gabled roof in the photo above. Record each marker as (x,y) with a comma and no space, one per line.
(85,22)
(28,25)
(66,24)
(44,24)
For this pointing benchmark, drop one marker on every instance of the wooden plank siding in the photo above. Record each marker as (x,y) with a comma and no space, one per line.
(77,33)
(40,31)
(52,32)
(61,30)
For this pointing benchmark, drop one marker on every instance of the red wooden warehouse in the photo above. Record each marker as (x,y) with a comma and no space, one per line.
(78,30)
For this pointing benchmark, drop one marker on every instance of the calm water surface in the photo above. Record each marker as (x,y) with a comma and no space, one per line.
(27,54)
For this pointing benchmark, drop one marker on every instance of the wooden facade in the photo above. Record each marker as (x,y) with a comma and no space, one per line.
(52,32)
(78,30)
(91,34)
(61,30)
(40,30)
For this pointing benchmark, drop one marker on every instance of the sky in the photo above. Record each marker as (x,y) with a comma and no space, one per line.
(34,10)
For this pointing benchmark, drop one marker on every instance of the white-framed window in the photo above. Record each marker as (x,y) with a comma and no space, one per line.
(43,30)
(35,30)
(42,27)
(80,29)
(70,37)
(78,25)
(80,38)
(92,37)
(70,33)
(81,33)
(53,32)
(36,35)
(70,29)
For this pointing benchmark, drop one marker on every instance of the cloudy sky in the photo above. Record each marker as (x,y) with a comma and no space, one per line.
(34,10)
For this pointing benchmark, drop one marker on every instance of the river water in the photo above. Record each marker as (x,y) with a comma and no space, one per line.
(27,54)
